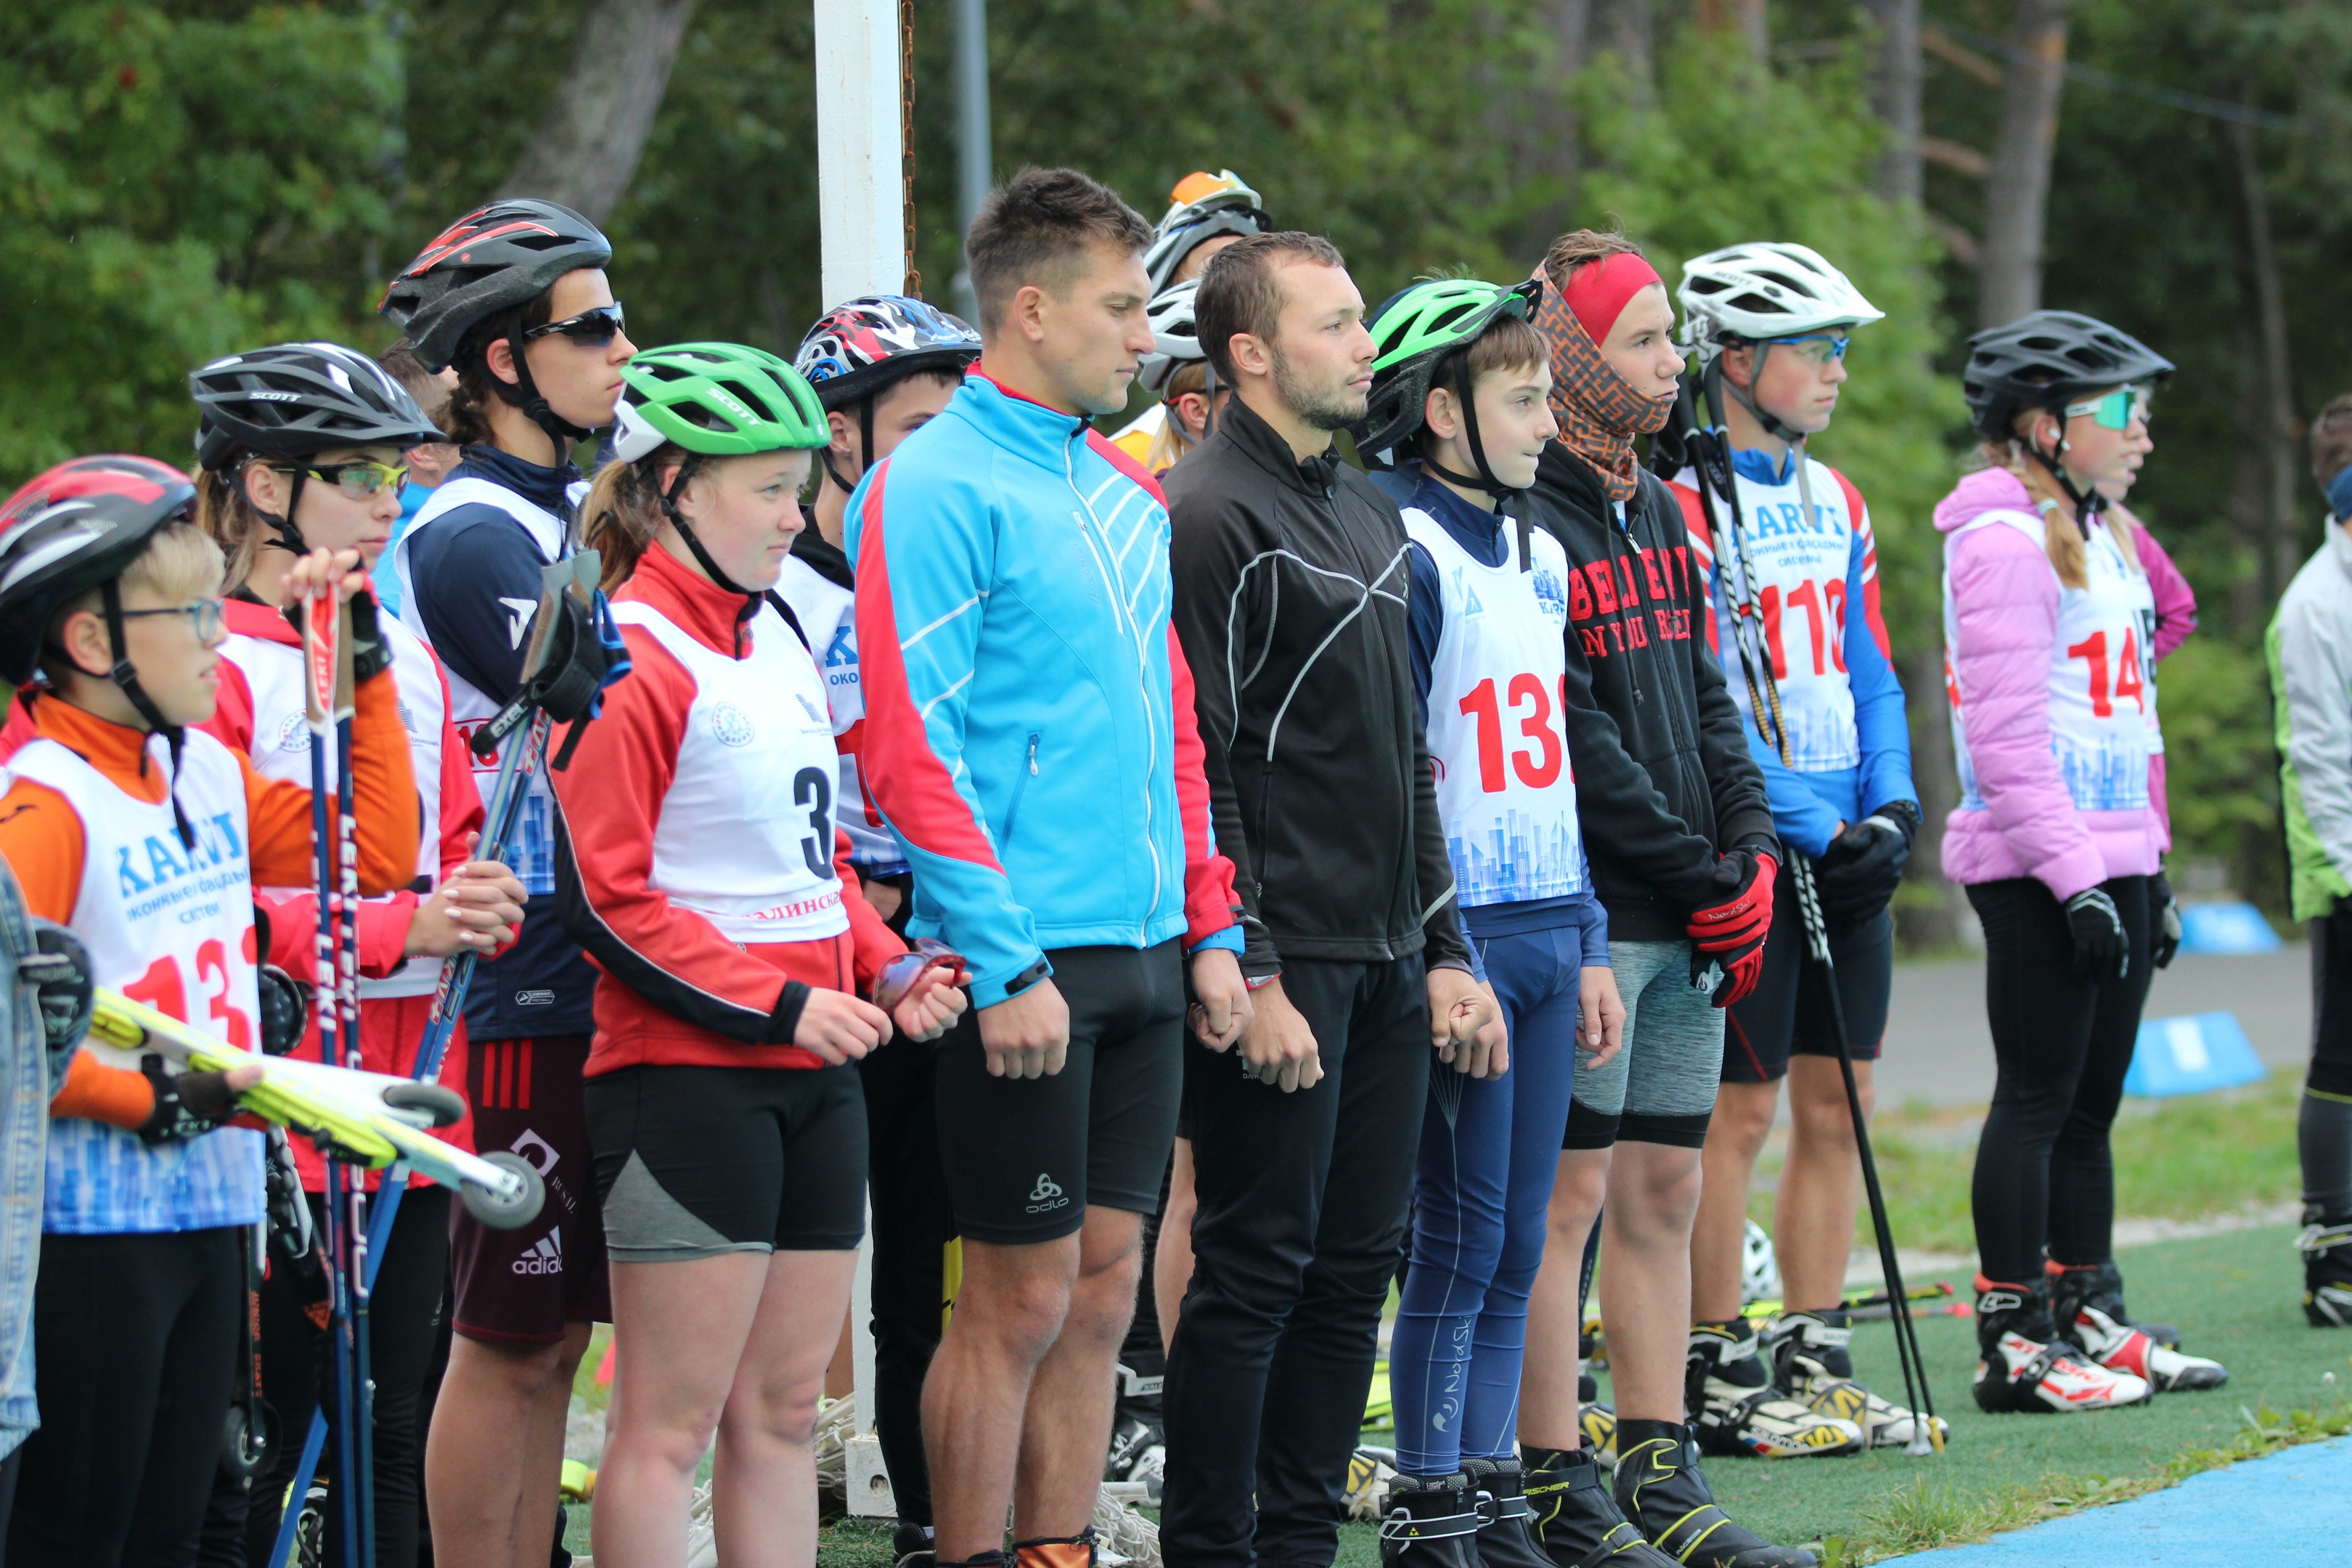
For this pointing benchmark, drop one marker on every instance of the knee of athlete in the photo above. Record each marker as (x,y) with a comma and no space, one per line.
(1657,1192)
(1025,1314)
(676,1441)
(1821,1119)
(781,1413)
(1744,1121)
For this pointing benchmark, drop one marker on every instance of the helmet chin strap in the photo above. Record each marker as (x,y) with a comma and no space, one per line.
(2087,505)
(125,676)
(1487,480)
(526,395)
(289,537)
(865,446)
(686,531)
(1743,395)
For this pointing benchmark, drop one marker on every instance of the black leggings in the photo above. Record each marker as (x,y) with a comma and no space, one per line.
(134,1343)
(2044,1177)
(913,1223)
(2323,1126)
(404,1322)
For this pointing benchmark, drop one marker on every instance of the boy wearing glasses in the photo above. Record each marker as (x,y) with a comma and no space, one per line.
(1791,548)
(513,297)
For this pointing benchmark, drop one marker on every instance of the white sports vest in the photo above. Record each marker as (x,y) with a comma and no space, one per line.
(172,927)
(1505,788)
(1801,557)
(2099,720)
(828,614)
(745,835)
(280,749)
(532,856)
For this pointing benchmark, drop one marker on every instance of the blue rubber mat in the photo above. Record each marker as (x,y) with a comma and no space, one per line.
(2284,1512)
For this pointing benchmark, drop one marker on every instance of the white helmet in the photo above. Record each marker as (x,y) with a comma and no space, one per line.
(1175,336)
(1202,207)
(1747,293)
(1760,1270)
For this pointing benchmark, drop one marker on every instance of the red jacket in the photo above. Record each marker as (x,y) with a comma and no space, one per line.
(609,804)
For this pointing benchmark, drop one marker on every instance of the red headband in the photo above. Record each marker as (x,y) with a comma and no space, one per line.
(1599,290)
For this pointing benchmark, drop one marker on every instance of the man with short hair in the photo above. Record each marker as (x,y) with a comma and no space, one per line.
(1029,736)
(1291,578)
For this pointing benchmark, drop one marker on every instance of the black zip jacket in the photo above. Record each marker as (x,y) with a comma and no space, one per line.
(1663,780)
(1290,604)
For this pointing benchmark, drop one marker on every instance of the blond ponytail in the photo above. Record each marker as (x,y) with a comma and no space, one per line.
(623,510)
(229,519)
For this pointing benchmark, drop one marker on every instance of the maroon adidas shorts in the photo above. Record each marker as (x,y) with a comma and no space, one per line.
(524,1286)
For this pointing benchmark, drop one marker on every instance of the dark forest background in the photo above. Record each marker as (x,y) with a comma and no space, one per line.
(178,180)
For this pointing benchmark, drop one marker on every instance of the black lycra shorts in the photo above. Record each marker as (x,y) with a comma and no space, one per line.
(692,1161)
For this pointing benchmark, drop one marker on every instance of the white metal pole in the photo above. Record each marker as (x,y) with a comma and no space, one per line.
(860,201)
(861,215)
(972,161)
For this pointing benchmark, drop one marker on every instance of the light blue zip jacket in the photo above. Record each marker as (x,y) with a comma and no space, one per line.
(1029,731)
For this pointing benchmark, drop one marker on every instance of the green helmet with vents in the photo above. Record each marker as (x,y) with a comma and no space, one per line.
(1415,332)
(717,400)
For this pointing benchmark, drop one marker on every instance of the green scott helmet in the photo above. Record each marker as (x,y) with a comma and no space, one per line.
(1414,333)
(716,400)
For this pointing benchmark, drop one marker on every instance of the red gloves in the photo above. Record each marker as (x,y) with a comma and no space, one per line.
(1731,932)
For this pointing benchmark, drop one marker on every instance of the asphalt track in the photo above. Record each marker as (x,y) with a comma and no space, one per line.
(2287,1510)
(1938,1051)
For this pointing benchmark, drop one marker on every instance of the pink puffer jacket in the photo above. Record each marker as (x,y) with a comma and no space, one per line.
(2006,596)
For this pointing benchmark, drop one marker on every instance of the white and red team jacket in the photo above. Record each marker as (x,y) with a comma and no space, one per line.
(699,860)
(817,582)
(261,714)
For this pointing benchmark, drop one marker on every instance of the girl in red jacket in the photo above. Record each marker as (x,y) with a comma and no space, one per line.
(300,445)
(699,865)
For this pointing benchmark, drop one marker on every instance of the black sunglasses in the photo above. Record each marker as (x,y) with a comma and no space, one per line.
(594,328)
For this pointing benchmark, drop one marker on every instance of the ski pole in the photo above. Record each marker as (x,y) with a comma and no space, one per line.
(362,1504)
(1926,1438)
(449,1006)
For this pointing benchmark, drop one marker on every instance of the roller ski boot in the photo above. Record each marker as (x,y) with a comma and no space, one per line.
(2164,1334)
(1430,1521)
(1812,1364)
(1506,1539)
(2087,1304)
(1597,1424)
(2027,1367)
(2327,1248)
(1660,1489)
(1575,1520)
(1735,1410)
(914,1545)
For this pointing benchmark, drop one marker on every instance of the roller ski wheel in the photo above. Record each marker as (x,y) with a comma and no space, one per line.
(248,1439)
(507,1214)
(445,1105)
(1576,1522)
(2327,1248)
(1735,1411)
(1430,1521)
(2101,1284)
(1597,1424)
(2026,1367)
(1812,1364)
(1661,1489)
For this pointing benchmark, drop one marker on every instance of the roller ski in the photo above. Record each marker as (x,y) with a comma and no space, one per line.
(1812,1364)
(1736,1410)
(1430,1521)
(1138,1446)
(1661,1490)
(368,1119)
(1575,1519)
(2028,1368)
(2326,1249)
(2087,1304)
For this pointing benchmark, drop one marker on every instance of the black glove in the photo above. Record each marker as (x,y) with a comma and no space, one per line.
(1858,873)
(2167,907)
(58,970)
(187,1104)
(2101,950)
(371,654)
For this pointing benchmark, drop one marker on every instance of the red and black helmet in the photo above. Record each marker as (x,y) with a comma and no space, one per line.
(494,259)
(72,529)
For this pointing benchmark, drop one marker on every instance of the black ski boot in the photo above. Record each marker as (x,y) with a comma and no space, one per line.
(1660,1489)
(1506,1538)
(914,1545)
(1576,1522)
(2327,1248)
(1430,1521)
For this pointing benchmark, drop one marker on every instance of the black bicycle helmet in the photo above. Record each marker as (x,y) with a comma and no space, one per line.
(498,257)
(2046,360)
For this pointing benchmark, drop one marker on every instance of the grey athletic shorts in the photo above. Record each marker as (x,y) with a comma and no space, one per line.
(1660,1086)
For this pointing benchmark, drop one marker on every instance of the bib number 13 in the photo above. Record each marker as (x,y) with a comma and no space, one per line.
(1538,765)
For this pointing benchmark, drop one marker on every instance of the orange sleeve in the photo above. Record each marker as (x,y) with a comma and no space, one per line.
(41,838)
(384,791)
